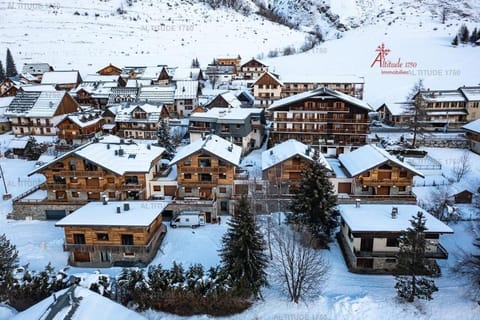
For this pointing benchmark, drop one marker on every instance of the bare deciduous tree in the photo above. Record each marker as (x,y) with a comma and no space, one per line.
(462,166)
(299,269)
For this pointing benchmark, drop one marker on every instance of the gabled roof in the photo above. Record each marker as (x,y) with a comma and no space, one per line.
(471,93)
(35,104)
(289,149)
(124,113)
(61,77)
(36,68)
(399,108)
(368,157)
(19,143)
(473,126)
(186,89)
(230,99)
(214,145)
(78,303)
(320,92)
(161,94)
(255,60)
(122,94)
(38,87)
(84,118)
(272,76)
(119,70)
(185,73)
(440,95)
(226,115)
(107,155)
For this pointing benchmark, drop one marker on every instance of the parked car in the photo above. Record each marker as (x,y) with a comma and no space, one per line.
(191,219)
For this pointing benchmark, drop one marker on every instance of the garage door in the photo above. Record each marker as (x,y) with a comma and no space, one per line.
(344,187)
(55,214)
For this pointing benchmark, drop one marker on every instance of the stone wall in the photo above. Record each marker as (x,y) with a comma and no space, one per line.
(444,143)
(36,210)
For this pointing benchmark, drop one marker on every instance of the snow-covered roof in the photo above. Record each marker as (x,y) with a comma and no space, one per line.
(399,108)
(320,92)
(266,74)
(38,87)
(122,94)
(5,101)
(186,89)
(231,99)
(101,78)
(471,93)
(35,68)
(255,60)
(185,73)
(473,126)
(84,119)
(323,79)
(368,157)
(162,94)
(61,77)
(125,113)
(378,218)
(226,115)
(18,143)
(287,150)
(442,95)
(89,306)
(140,214)
(152,72)
(136,83)
(337,168)
(212,144)
(106,154)
(35,104)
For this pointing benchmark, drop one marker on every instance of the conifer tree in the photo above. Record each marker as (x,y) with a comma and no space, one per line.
(165,140)
(413,268)
(455,41)
(314,204)
(243,252)
(2,72)
(474,36)
(464,34)
(10,65)
(8,262)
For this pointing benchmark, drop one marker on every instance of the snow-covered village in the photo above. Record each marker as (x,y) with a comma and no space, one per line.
(250,159)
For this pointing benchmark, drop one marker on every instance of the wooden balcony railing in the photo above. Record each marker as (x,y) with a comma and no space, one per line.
(132,186)
(70,173)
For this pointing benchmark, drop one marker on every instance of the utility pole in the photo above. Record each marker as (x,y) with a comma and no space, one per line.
(7,195)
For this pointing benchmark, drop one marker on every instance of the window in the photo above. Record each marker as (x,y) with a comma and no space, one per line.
(127,239)
(204,163)
(110,180)
(129,254)
(131,180)
(188,190)
(112,195)
(365,188)
(75,194)
(222,175)
(402,188)
(222,163)
(102,236)
(73,180)
(222,190)
(187,163)
(392,242)
(157,188)
(104,256)
(72,165)
(187,176)
(78,238)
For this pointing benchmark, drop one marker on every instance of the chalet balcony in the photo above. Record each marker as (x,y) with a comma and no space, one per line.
(438,253)
(132,186)
(117,248)
(70,173)
(76,135)
(54,186)
(206,183)
(386,182)
(293,168)
(204,170)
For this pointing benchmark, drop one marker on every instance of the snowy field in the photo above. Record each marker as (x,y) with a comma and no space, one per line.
(343,296)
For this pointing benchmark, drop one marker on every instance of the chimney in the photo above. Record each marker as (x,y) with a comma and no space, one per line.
(357,203)
(118,209)
(126,206)
(394,212)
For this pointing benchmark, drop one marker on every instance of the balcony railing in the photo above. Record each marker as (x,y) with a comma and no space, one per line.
(71,173)
(132,186)
(438,253)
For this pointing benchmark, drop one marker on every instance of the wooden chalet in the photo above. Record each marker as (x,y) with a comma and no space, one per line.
(9,88)
(252,69)
(267,89)
(206,170)
(108,167)
(376,174)
(95,90)
(62,80)
(349,85)
(116,233)
(229,61)
(110,70)
(140,120)
(37,113)
(283,165)
(224,100)
(5,124)
(331,120)
(369,235)
(80,127)
(472,131)
(396,114)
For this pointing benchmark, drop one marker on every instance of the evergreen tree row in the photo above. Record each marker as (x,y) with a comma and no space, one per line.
(11,69)
(464,36)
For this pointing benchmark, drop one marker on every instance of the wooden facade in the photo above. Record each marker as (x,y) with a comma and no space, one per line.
(267,89)
(8,88)
(80,128)
(253,69)
(110,70)
(322,118)
(93,244)
(142,121)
